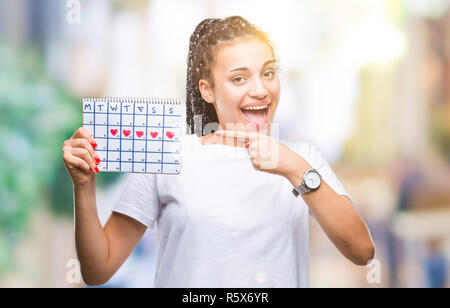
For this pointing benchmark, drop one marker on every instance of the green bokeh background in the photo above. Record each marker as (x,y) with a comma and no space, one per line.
(36,115)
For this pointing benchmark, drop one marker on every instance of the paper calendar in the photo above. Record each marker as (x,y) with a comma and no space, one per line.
(135,134)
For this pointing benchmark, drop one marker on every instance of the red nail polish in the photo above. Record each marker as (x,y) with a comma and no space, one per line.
(97,160)
(96,169)
(94,144)
(218,134)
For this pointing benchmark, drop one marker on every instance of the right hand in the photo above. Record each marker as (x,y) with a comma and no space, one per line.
(80,158)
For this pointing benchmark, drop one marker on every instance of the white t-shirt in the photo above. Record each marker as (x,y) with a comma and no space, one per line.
(223,224)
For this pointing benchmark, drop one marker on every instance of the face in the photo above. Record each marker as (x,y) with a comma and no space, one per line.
(246,85)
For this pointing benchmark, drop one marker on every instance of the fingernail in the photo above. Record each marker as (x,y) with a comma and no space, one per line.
(218,134)
(94,144)
(96,170)
(97,160)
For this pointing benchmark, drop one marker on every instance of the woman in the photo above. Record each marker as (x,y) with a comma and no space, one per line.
(221,222)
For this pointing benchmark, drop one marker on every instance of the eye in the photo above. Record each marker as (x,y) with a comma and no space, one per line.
(269,73)
(238,79)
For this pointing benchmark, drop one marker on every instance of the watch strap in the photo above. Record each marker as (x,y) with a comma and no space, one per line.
(300,190)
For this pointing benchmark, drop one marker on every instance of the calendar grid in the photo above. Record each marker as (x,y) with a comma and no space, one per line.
(162,145)
(120,142)
(155,114)
(151,115)
(146,132)
(152,147)
(150,162)
(132,144)
(151,152)
(168,141)
(107,135)
(94,103)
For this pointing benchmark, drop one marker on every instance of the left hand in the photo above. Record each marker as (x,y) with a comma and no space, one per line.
(266,153)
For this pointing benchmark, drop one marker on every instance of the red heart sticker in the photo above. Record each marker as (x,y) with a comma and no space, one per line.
(126,133)
(114,132)
(154,134)
(139,134)
(170,135)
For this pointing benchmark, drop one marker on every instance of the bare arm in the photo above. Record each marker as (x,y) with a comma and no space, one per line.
(334,212)
(336,215)
(101,251)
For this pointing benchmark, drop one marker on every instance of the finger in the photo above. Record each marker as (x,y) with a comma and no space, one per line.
(75,161)
(233,134)
(83,143)
(253,150)
(82,132)
(84,154)
(236,134)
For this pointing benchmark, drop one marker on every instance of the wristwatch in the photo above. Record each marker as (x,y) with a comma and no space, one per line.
(311,181)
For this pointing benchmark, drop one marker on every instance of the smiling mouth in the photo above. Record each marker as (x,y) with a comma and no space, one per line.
(257,115)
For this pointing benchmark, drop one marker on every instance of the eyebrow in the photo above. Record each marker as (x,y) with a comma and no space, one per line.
(246,69)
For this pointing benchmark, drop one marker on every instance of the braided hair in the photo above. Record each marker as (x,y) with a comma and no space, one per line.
(207,35)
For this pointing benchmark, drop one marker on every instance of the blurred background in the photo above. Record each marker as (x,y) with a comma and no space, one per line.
(368,81)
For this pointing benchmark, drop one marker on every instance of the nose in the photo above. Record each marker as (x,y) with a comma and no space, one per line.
(258,89)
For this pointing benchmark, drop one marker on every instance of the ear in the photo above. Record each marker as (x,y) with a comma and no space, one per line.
(206,91)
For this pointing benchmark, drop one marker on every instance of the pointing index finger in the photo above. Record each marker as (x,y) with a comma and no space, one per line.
(235,134)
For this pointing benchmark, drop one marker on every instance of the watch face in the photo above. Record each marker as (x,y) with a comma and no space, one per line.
(312,179)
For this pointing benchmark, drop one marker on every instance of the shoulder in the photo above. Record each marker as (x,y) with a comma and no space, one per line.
(135,181)
(307,149)
(189,140)
(311,153)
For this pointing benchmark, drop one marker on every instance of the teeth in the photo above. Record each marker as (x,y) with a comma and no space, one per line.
(256,107)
